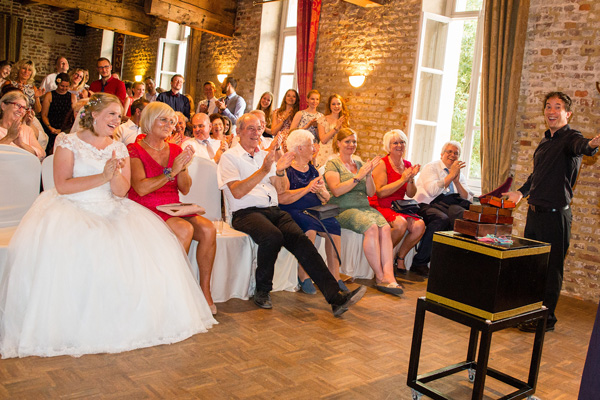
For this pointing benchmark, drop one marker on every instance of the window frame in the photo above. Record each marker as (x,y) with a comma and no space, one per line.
(284,32)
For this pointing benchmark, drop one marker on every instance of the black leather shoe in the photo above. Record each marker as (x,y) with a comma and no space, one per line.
(263,300)
(531,326)
(348,299)
(420,269)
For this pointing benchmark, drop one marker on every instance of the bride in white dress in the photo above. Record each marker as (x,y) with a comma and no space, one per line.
(88,270)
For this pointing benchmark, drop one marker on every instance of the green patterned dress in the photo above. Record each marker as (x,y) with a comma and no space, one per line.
(357,215)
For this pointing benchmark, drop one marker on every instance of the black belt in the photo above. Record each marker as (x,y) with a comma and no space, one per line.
(546,210)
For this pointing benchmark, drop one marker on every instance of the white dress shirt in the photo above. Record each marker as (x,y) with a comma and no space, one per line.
(236,165)
(212,106)
(430,182)
(49,82)
(200,148)
(128,131)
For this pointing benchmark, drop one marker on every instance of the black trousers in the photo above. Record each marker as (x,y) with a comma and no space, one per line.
(553,228)
(272,228)
(437,218)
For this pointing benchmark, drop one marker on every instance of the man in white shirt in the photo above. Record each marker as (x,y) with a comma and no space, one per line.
(208,105)
(128,131)
(60,65)
(251,178)
(203,145)
(443,196)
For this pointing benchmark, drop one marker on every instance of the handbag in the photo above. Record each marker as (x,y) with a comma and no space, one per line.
(408,207)
(324,211)
(180,209)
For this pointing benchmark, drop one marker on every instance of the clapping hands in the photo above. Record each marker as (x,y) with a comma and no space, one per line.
(368,167)
(183,160)
(113,167)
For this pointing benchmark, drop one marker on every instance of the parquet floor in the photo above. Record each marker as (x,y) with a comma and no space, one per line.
(299,351)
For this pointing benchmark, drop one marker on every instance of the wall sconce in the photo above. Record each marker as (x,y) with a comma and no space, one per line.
(138,78)
(221,77)
(356,80)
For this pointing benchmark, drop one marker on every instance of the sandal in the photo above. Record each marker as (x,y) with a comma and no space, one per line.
(390,288)
(399,271)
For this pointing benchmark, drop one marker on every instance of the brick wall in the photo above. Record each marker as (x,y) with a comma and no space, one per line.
(91,51)
(237,57)
(381,42)
(140,54)
(562,53)
(46,34)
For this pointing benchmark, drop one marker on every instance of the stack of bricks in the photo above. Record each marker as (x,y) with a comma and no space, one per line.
(492,217)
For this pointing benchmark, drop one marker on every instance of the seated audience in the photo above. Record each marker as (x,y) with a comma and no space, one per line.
(305,188)
(175,98)
(283,116)
(178,134)
(22,77)
(336,117)
(250,179)
(209,105)
(107,82)
(443,195)
(232,105)
(61,65)
(204,146)
(158,174)
(128,131)
(227,128)
(266,105)
(151,92)
(394,178)
(350,181)
(308,118)
(14,131)
(30,119)
(78,78)
(56,106)
(5,67)
(137,92)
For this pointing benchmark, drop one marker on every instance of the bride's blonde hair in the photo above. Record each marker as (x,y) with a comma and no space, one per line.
(96,103)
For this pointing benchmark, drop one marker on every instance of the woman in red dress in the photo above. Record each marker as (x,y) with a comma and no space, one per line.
(158,174)
(394,178)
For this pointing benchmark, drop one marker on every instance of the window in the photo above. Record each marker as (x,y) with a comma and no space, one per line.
(447,86)
(286,56)
(171,54)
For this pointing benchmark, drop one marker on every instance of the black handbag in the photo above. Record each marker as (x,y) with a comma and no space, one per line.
(321,212)
(408,207)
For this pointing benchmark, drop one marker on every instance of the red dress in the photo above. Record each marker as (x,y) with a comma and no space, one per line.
(384,206)
(167,194)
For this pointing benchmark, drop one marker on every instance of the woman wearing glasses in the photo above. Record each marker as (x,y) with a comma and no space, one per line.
(14,110)
(158,174)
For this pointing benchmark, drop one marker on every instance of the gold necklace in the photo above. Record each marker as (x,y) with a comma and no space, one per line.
(152,147)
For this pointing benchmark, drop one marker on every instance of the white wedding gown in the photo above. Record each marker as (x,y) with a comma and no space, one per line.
(91,272)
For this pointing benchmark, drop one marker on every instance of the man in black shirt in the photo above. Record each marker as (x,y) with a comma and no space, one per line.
(556,163)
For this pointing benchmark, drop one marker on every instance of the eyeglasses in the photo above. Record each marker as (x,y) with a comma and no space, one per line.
(18,106)
(165,120)
(103,67)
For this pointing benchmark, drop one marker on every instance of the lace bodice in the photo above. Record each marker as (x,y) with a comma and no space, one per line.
(89,160)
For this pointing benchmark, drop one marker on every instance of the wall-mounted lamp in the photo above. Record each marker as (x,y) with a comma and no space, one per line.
(221,77)
(138,78)
(356,80)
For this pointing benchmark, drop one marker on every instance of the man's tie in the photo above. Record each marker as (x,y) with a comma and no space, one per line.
(209,149)
(451,185)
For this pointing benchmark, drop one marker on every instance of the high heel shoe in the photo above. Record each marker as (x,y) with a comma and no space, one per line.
(399,271)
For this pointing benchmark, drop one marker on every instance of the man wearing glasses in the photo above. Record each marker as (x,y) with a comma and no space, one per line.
(106,83)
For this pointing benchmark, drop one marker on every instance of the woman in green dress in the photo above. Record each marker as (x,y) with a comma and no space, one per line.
(350,182)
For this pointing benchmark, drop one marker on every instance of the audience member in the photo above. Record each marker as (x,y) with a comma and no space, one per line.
(208,105)
(78,77)
(29,118)
(336,117)
(217,131)
(250,179)
(5,67)
(61,65)
(283,116)
(305,188)
(266,105)
(151,92)
(137,90)
(232,105)
(350,181)
(394,178)
(443,195)
(108,83)
(308,119)
(205,146)
(174,98)
(158,174)
(227,127)
(56,106)
(106,276)
(13,130)
(178,134)
(22,77)
(128,131)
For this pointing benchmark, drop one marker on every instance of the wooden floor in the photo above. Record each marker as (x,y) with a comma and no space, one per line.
(299,350)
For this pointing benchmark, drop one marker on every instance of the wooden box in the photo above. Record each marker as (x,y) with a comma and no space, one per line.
(486,280)
(478,229)
(487,218)
(482,209)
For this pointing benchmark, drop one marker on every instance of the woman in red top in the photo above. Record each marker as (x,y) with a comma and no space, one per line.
(158,174)
(394,178)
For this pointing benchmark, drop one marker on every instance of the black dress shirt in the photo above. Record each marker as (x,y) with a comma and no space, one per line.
(556,163)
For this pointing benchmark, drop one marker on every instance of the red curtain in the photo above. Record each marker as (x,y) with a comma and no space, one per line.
(309,12)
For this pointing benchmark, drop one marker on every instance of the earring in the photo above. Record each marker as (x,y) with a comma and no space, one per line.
(94,122)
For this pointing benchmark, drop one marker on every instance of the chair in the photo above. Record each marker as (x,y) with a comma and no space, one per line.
(205,190)
(48,172)
(20,173)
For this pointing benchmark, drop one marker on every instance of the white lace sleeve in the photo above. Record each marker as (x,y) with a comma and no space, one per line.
(120,150)
(66,140)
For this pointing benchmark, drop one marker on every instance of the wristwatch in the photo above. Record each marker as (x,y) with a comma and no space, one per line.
(282,174)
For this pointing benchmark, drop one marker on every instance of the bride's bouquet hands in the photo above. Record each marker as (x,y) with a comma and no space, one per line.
(113,167)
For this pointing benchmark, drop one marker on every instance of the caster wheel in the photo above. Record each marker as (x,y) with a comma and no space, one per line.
(471,375)
(416,395)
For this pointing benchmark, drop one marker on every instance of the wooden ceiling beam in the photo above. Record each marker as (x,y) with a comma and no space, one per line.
(113,23)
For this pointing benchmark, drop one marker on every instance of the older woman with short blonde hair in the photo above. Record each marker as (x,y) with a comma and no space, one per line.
(14,108)
(22,77)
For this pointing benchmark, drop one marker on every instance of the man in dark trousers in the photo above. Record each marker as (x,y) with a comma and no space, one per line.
(556,163)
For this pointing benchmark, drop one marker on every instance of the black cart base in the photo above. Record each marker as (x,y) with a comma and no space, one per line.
(478,369)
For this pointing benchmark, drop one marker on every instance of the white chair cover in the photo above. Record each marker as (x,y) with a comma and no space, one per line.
(48,172)
(354,262)
(205,190)
(20,173)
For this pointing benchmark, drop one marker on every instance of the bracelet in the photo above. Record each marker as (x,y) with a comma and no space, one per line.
(167,172)
(355,180)
(282,174)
